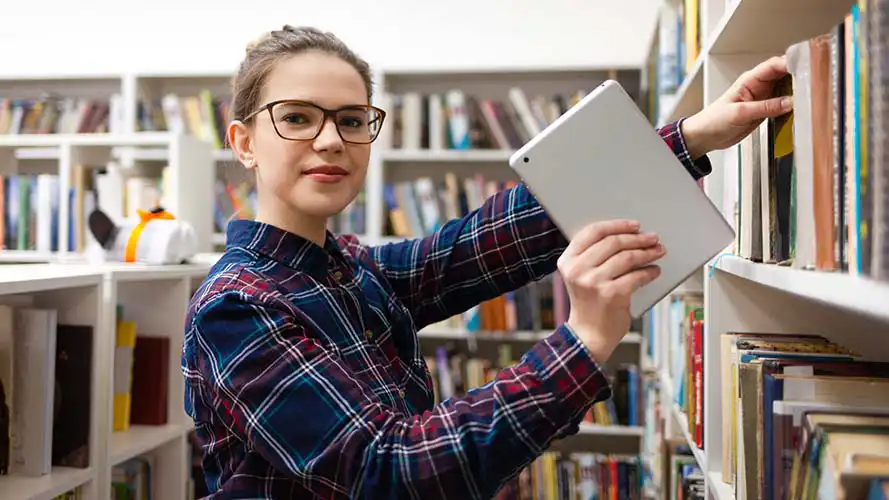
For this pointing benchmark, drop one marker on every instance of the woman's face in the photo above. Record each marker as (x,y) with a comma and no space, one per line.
(317,177)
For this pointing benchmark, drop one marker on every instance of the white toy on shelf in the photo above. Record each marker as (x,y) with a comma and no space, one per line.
(155,237)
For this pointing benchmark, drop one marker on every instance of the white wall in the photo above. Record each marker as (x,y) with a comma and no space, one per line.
(111,36)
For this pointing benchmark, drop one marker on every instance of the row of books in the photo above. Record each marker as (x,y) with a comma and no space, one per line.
(74,494)
(461,121)
(29,205)
(685,352)
(140,382)
(204,116)
(45,390)
(773,385)
(539,306)
(57,115)
(556,476)
(236,199)
(682,476)
(812,189)
(454,373)
(840,454)
(625,407)
(420,206)
(131,480)
(677,49)
(653,422)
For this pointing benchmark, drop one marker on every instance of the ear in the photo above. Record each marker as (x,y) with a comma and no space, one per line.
(241,143)
(103,228)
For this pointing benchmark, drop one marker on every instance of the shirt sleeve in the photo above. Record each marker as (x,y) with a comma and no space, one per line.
(296,403)
(503,245)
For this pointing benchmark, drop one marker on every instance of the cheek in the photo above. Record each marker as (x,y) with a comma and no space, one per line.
(359,157)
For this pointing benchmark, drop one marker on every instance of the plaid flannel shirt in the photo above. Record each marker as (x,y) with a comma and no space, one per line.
(304,375)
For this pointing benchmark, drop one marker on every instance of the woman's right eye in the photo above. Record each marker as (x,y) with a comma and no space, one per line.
(294,118)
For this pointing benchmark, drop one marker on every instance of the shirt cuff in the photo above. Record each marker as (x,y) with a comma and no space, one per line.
(574,378)
(698,167)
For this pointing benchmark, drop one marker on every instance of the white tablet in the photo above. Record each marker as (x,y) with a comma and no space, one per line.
(602,159)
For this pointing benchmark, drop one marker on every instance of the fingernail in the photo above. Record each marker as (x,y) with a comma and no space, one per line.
(634,224)
(787,103)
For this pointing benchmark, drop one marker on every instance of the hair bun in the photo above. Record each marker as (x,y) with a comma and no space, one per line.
(257,42)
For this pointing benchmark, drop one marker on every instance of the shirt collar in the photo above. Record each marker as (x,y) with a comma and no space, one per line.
(282,246)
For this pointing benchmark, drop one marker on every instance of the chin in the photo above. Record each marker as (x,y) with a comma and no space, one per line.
(321,205)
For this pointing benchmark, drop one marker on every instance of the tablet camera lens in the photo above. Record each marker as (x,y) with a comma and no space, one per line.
(526,160)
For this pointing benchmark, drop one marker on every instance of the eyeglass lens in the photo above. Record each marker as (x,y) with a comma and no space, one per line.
(300,121)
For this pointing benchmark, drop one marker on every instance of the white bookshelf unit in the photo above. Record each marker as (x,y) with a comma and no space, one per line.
(88,295)
(61,168)
(739,294)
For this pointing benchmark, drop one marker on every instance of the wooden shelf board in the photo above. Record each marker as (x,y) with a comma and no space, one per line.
(35,278)
(494,70)
(58,481)
(610,430)
(445,334)
(221,155)
(143,139)
(26,256)
(607,439)
(852,293)
(682,421)
(124,272)
(447,155)
(720,489)
(777,24)
(690,95)
(140,439)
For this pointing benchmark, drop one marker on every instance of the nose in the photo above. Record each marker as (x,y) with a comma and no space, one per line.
(329,139)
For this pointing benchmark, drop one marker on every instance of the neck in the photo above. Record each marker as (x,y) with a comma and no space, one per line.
(311,228)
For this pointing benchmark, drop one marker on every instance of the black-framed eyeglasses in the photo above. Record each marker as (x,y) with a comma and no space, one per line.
(296,120)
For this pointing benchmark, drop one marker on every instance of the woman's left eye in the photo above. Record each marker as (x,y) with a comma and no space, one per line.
(351,122)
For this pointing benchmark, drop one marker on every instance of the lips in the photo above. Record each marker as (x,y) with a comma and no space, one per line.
(326,170)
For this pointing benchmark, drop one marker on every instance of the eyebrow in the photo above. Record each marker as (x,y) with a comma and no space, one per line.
(310,101)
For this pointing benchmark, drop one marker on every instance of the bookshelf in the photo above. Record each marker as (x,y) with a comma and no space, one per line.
(145,140)
(422,174)
(86,301)
(51,178)
(701,47)
(686,70)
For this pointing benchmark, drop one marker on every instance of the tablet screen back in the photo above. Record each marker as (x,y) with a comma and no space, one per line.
(603,160)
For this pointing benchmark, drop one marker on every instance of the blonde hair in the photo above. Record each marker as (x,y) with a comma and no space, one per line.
(263,52)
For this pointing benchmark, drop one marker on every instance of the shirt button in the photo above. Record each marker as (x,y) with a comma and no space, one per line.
(369,334)
(338,275)
(401,393)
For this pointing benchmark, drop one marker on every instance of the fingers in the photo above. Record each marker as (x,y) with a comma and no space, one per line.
(599,253)
(769,70)
(595,232)
(767,108)
(634,280)
(757,83)
(628,261)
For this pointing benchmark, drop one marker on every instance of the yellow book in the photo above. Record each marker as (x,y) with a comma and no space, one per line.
(123,374)
(690,22)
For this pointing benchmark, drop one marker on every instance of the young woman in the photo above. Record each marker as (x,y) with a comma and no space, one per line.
(303,371)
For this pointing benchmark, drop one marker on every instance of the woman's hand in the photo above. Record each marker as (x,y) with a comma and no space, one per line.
(739,111)
(602,266)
